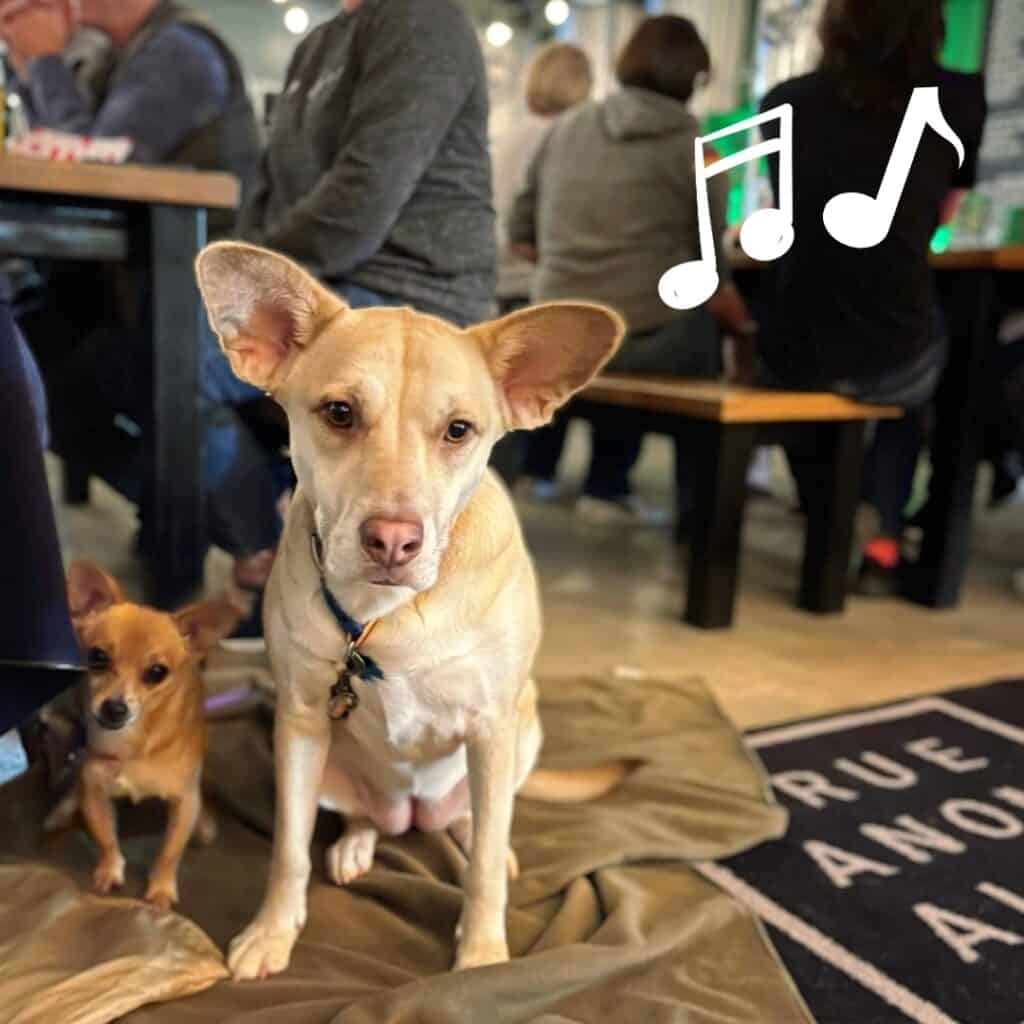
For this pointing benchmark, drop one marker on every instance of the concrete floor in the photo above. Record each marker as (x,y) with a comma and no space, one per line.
(613,598)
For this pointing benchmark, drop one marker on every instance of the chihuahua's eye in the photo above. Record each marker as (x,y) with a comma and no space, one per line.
(155,674)
(339,415)
(458,431)
(97,659)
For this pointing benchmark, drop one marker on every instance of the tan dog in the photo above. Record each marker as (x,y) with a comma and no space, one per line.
(398,521)
(143,708)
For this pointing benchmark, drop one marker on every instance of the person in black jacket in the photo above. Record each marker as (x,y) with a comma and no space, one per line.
(865,322)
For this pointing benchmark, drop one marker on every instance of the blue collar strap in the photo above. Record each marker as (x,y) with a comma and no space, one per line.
(359,664)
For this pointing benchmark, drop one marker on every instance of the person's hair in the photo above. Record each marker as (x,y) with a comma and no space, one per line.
(878,51)
(665,54)
(558,78)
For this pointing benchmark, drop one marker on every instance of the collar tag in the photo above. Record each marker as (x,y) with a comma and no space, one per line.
(354,664)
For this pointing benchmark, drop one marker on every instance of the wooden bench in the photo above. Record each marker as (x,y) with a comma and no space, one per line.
(722,424)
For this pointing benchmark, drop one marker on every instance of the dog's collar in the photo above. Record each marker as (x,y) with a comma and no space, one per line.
(355,662)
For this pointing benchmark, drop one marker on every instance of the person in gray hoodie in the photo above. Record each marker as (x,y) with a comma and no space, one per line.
(609,205)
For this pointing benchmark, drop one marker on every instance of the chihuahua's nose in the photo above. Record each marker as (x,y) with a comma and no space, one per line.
(113,713)
(391,542)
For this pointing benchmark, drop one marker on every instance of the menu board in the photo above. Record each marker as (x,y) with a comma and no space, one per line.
(1001,160)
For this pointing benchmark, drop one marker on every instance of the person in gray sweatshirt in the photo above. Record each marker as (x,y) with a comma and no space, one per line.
(377,173)
(609,205)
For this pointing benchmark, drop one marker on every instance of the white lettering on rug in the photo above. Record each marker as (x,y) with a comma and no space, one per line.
(882,772)
(811,788)
(1001,895)
(950,758)
(962,934)
(965,815)
(841,866)
(1010,795)
(909,836)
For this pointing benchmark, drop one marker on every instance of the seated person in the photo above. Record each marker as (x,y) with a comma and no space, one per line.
(609,205)
(865,322)
(377,174)
(38,650)
(172,85)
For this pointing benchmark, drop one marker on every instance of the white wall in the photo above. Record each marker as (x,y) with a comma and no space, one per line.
(255,29)
(787,41)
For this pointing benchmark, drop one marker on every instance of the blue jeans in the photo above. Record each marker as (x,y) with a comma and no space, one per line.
(241,478)
(891,460)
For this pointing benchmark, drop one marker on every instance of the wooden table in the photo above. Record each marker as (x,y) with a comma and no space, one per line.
(968,282)
(154,216)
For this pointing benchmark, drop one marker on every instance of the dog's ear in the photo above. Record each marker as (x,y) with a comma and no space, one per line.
(542,355)
(91,589)
(263,307)
(206,623)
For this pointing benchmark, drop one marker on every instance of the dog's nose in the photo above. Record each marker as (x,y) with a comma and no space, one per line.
(391,542)
(113,713)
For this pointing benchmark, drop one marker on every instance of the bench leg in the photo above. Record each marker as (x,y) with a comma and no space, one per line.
(830,522)
(723,456)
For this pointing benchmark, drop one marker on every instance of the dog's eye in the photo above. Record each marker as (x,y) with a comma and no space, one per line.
(458,431)
(339,415)
(155,674)
(97,659)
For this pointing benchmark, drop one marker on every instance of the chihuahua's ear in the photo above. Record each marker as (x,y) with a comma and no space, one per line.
(542,355)
(263,307)
(91,589)
(206,623)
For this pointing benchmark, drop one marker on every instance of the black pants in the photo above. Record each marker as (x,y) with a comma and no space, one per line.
(689,346)
(895,448)
(38,649)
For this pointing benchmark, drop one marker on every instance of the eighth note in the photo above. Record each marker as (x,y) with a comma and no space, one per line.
(765,235)
(862,222)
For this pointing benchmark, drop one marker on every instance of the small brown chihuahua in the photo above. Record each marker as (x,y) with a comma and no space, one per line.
(143,709)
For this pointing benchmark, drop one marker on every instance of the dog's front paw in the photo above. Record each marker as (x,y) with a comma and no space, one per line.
(162,892)
(480,954)
(109,872)
(261,950)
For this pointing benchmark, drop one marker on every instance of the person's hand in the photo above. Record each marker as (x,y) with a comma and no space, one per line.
(34,28)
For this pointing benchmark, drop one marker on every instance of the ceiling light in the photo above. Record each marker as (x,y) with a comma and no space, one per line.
(557,12)
(498,33)
(296,20)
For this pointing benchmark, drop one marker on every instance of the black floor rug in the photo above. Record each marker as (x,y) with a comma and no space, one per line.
(898,893)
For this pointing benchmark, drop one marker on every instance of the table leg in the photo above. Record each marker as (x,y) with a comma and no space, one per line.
(75,474)
(723,457)
(179,528)
(935,580)
(830,524)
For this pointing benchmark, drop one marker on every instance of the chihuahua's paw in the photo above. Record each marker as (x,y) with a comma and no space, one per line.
(109,873)
(261,950)
(162,892)
(480,954)
(352,855)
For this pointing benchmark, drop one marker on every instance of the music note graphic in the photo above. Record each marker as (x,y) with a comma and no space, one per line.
(766,234)
(861,221)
